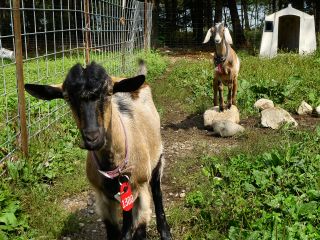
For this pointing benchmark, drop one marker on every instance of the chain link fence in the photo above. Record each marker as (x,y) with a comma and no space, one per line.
(41,39)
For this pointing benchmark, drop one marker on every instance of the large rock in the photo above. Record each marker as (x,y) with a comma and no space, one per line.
(263,103)
(304,108)
(226,128)
(213,115)
(275,117)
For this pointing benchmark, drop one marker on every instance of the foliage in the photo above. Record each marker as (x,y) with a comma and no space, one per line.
(285,79)
(273,195)
(12,220)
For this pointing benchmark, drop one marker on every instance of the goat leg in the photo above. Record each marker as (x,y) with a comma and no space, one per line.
(113,231)
(221,103)
(215,91)
(234,90)
(126,233)
(229,95)
(140,233)
(162,225)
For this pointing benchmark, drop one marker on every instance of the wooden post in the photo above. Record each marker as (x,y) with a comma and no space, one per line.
(19,76)
(87,29)
(145,26)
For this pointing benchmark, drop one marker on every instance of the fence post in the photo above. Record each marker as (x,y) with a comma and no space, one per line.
(145,26)
(19,77)
(87,30)
(123,36)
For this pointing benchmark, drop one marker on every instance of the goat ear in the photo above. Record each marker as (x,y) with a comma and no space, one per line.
(227,36)
(209,34)
(45,92)
(129,84)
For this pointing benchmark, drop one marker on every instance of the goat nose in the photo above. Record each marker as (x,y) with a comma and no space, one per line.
(91,136)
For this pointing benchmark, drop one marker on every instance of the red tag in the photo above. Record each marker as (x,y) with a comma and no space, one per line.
(126,198)
(219,68)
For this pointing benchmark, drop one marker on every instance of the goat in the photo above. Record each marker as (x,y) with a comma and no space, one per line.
(120,127)
(227,65)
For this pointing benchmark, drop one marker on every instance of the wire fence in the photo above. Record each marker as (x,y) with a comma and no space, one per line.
(54,35)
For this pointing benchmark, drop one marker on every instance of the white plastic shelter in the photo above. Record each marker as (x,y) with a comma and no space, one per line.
(288,29)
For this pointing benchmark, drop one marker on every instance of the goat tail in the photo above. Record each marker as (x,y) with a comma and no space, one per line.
(142,67)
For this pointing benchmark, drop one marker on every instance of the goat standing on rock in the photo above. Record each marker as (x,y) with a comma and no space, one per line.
(227,65)
(120,127)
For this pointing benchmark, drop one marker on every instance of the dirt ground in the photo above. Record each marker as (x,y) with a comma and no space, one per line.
(183,135)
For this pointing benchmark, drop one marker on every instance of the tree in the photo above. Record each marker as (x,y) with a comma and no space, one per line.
(155,22)
(197,20)
(245,14)
(238,34)
(218,11)
(208,13)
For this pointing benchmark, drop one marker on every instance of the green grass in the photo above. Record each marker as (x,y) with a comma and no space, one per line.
(286,79)
(251,193)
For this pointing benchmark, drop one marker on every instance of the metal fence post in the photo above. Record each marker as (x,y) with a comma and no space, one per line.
(19,77)
(123,40)
(87,29)
(145,35)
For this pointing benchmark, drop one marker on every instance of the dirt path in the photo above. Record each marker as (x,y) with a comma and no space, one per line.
(183,136)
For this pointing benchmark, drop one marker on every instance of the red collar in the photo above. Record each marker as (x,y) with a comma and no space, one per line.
(123,166)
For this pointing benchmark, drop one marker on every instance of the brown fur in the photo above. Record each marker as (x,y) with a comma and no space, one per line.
(230,67)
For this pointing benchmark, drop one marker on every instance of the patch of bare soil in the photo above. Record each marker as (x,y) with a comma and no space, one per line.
(183,136)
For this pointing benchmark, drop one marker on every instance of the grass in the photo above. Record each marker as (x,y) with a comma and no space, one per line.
(265,188)
(287,80)
(254,193)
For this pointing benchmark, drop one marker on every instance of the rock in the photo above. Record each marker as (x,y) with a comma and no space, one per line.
(213,115)
(91,211)
(81,225)
(275,117)
(182,195)
(304,108)
(263,103)
(226,128)
(318,111)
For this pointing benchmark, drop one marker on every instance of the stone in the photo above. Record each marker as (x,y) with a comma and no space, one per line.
(182,195)
(263,103)
(304,108)
(318,111)
(226,128)
(214,115)
(275,117)
(81,225)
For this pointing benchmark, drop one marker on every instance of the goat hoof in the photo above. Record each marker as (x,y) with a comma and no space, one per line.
(229,105)
(221,108)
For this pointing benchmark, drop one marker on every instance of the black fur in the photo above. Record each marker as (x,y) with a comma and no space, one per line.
(129,84)
(140,233)
(123,106)
(162,225)
(43,91)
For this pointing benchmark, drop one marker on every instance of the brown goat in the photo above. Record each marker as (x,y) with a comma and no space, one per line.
(227,65)
(120,127)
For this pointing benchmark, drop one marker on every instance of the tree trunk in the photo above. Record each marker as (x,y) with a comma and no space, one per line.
(298,4)
(197,20)
(218,11)
(238,34)
(274,6)
(208,13)
(245,13)
(317,15)
(155,23)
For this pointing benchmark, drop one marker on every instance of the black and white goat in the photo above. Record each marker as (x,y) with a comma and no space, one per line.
(227,65)
(120,127)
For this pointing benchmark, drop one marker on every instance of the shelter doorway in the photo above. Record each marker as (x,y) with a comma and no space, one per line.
(289,33)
